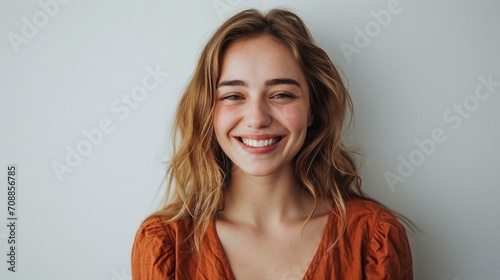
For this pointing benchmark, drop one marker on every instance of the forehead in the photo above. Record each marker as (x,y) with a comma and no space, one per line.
(261,57)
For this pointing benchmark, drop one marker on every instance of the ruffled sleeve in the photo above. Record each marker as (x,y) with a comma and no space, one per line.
(153,255)
(389,255)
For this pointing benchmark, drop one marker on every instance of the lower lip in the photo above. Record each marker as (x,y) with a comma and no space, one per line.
(259,150)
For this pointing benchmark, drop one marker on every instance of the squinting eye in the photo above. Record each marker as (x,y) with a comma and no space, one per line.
(231,97)
(283,95)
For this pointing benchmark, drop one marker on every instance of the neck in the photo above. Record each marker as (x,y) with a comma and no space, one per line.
(266,200)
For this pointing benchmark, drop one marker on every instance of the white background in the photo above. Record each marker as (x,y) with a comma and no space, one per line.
(407,80)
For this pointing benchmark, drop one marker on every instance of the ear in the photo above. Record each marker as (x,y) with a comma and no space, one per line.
(310,118)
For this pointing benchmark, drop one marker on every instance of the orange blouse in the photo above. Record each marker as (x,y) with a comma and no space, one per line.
(374,246)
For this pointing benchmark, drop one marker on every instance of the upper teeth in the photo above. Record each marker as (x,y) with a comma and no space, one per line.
(259,143)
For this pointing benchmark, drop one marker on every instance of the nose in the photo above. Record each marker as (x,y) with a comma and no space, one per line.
(258,115)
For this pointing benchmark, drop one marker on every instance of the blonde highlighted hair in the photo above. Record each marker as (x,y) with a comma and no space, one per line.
(199,170)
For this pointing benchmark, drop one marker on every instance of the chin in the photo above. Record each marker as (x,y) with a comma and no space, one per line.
(258,171)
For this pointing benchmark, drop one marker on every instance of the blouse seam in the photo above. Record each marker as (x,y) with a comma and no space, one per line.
(168,240)
(376,225)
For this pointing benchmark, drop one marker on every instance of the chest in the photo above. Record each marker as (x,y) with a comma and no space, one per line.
(285,255)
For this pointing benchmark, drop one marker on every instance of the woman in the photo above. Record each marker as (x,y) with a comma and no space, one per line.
(261,185)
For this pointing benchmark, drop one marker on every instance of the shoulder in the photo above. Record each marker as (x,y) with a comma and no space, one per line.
(387,249)
(372,219)
(153,230)
(357,204)
(153,252)
(370,213)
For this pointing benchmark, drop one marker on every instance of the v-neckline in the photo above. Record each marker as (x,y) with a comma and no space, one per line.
(320,251)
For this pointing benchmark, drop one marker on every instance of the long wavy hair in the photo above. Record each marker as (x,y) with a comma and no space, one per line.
(199,170)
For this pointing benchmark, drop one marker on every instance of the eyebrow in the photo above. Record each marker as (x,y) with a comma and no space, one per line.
(282,81)
(273,82)
(233,83)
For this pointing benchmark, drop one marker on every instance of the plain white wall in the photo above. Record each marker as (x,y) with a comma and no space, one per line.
(425,83)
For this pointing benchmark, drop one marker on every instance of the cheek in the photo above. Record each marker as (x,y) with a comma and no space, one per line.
(295,116)
(224,120)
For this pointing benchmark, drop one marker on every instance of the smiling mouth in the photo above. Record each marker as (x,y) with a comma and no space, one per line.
(260,143)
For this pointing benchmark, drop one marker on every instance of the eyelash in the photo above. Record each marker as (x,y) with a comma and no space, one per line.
(284,94)
(278,95)
(231,97)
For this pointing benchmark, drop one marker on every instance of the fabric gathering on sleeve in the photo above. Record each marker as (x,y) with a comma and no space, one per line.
(388,254)
(153,254)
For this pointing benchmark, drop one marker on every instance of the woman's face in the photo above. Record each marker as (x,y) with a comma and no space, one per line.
(262,110)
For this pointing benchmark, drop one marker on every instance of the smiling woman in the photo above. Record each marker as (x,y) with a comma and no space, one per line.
(262,110)
(261,179)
